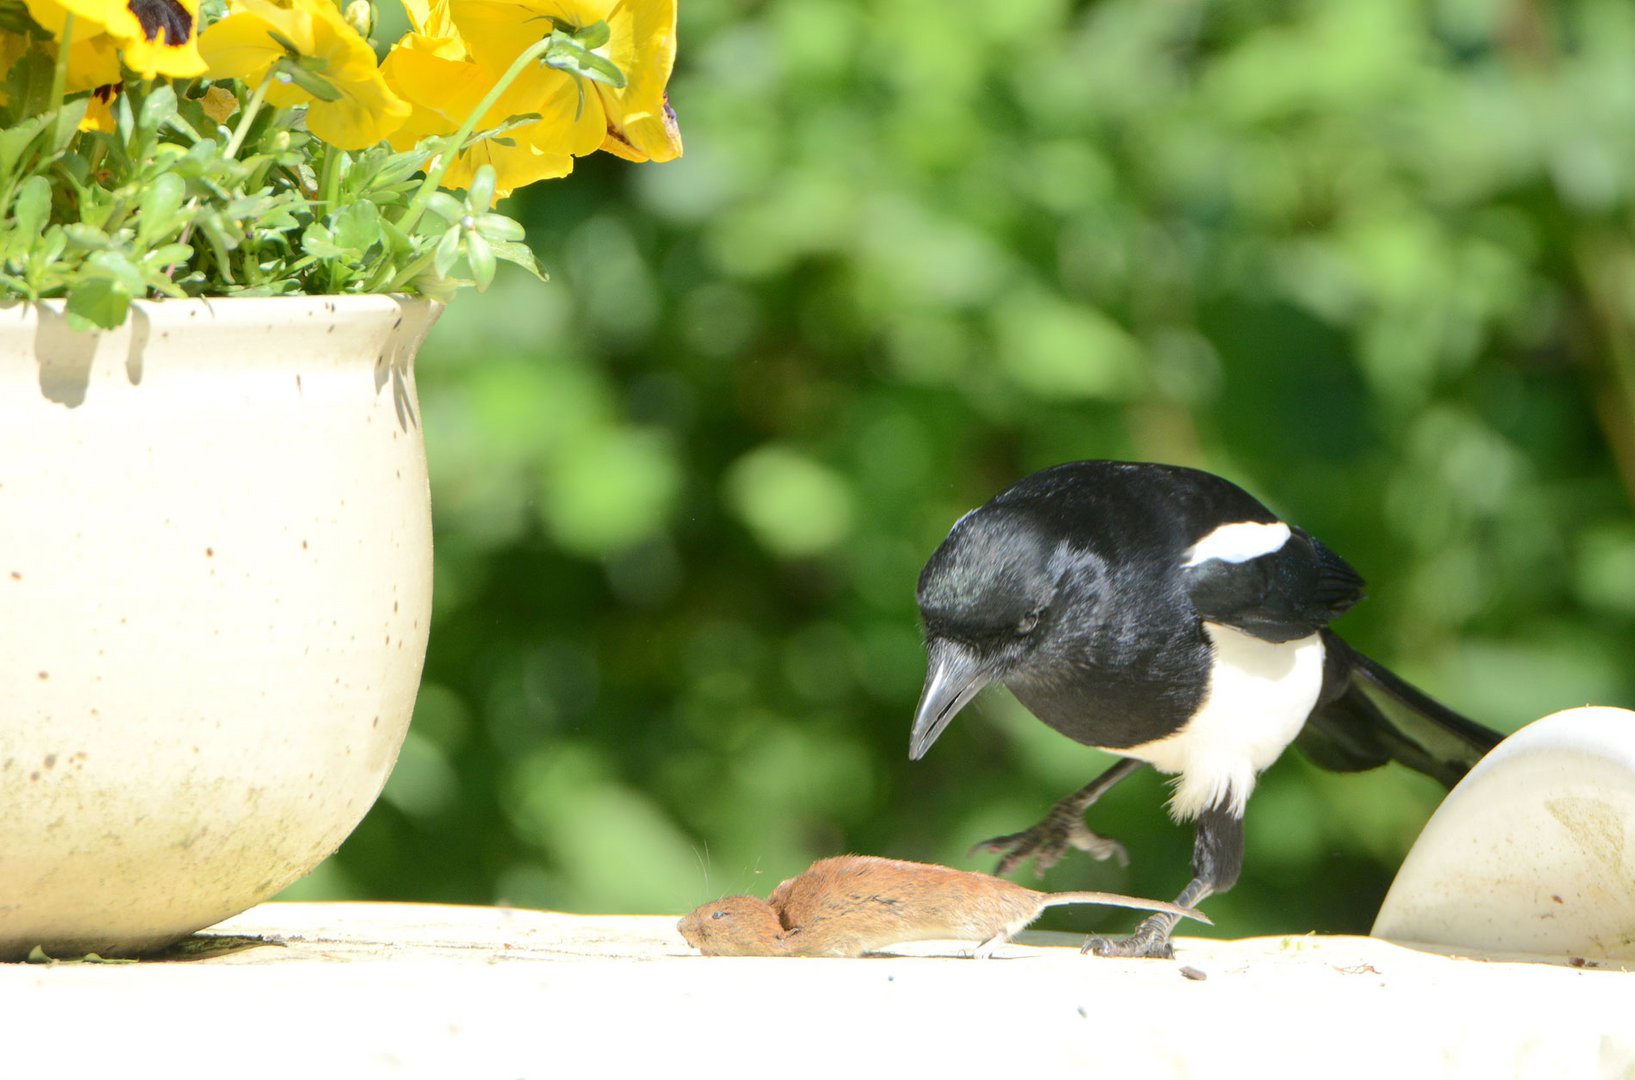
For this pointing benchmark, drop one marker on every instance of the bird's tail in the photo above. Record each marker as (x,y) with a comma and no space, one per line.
(1377,718)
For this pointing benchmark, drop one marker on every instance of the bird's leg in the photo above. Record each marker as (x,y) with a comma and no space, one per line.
(1063,828)
(1217,856)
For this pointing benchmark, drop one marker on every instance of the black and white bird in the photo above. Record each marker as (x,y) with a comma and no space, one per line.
(1163,614)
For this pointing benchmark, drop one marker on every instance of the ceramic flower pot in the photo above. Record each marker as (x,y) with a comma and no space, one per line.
(215,584)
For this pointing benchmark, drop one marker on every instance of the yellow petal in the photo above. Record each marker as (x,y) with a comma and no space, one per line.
(497,30)
(157,37)
(366,113)
(442,90)
(166,41)
(93,62)
(242,47)
(90,18)
(99,114)
(640,123)
(431,18)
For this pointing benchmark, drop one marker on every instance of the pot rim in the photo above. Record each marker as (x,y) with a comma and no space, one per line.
(14,310)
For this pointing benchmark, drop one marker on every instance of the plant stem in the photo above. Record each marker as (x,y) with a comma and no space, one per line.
(329,183)
(453,144)
(59,72)
(248,118)
(411,271)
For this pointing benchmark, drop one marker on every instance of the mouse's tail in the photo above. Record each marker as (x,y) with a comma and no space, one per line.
(1376,717)
(1120,900)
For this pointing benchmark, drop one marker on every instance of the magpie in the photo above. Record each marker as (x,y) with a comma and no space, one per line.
(1163,614)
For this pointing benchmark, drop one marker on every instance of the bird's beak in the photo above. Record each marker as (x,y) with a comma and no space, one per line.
(954,678)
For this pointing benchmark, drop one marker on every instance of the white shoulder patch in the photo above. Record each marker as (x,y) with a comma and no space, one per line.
(1238,542)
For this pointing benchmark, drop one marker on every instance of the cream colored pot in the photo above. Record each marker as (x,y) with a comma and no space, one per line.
(215,584)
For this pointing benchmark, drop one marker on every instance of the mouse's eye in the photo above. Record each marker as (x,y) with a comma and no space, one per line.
(1028,622)
(718,914)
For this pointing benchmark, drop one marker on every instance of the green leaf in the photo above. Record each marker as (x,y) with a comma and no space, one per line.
(158,107)
(520,254)
(396,240)
(448,251)
(86,236)
(170,255)
(14,17)
(357,227)
(116,266)
(32,209)
(14,141)
(100,302)
(566,54)
(158,207)
(595,35)
(284,43)
(480,257)
(28,84)
(308,80)
(498,227)
(317,241)
(446,207)
(481,193)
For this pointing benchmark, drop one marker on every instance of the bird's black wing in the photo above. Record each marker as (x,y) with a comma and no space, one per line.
(1285,594)
(1369,716)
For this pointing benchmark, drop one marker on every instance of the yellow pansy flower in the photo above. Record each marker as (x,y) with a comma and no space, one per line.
(433,70)
(155,37)
(635,120)
(444,92)
(640,123)
(244,46)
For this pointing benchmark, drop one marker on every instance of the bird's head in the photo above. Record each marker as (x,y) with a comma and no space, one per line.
(987,600)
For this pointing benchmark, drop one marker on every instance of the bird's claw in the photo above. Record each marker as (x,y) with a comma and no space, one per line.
(1047,842)
(1136,946)
(1150,941)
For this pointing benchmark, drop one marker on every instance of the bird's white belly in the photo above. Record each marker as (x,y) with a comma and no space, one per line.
(1260,694)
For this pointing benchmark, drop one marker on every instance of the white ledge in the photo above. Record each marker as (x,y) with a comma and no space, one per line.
(409,990)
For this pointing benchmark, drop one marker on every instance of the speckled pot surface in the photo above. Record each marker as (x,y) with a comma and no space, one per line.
(215,584)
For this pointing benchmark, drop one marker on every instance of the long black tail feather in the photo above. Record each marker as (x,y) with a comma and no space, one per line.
(1370,716)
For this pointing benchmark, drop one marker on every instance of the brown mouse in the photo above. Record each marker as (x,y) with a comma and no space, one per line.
(853,904)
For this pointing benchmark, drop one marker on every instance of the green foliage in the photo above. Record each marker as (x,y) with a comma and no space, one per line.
(195,189)
(1371,258)
(162,208)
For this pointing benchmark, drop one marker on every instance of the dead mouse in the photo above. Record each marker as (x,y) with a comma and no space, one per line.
(853,904)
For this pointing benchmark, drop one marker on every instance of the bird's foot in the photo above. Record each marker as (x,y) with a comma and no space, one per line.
(1048,841)
(1140,945)
(1150,941)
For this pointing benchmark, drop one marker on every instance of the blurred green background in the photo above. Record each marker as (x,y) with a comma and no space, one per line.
(1372,259)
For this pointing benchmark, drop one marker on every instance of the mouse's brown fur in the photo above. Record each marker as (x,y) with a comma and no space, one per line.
(853,904)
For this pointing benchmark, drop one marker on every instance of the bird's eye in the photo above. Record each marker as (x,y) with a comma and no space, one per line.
(1029,621)
(718,914)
